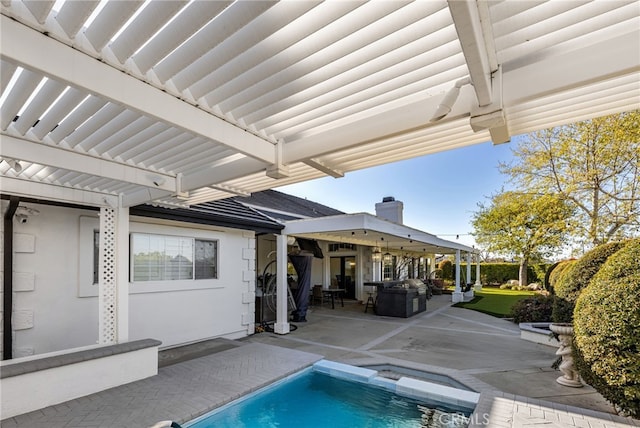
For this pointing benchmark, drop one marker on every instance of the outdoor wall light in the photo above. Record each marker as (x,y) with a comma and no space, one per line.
(387,256)
(450,98)
(376,256)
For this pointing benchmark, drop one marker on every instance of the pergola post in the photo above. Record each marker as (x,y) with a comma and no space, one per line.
(456,296)
(281,325)
(468,268)
(113,278)
(478,285)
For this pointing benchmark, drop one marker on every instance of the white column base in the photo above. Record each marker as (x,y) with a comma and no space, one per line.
(457,297)
(468,295)
(281,328)
(477,286)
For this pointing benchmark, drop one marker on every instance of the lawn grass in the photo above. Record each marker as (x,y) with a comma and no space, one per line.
(494,301)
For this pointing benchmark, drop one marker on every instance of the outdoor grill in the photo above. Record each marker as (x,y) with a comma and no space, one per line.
(401,298)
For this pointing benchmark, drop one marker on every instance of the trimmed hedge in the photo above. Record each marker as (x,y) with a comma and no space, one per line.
(500,273)
(606,326)
(578,274)
(575,277)
(557,272)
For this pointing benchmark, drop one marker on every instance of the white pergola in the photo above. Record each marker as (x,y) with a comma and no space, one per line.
(181,102)
(115,104)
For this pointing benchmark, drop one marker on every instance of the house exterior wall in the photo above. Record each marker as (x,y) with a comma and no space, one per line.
(56,303)
(48,314)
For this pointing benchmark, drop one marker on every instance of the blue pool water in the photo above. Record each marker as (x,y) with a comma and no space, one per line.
(314,399)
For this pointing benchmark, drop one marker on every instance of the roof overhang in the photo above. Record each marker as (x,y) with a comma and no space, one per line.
(369,230)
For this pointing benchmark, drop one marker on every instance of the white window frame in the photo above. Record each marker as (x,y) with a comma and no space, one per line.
(87,288)
(182,241)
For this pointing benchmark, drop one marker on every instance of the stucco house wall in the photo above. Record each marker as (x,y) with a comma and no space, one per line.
(56,303)
(48,314)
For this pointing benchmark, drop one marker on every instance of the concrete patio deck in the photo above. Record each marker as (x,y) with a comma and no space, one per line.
(517,385)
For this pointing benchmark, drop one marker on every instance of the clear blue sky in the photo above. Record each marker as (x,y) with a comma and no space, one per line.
(439,191)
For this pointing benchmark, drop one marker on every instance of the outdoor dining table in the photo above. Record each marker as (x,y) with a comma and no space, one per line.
(335,292)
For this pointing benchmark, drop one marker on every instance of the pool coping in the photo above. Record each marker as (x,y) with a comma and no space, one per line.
(405,386)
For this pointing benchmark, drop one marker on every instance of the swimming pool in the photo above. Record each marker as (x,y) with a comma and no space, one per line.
(337,395)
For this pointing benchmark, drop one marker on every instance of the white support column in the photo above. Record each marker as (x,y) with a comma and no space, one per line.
(456,296)
(113,279)
(376,274)
(478,285)
(468,295)
(282,314)
(432,263)
(122,274)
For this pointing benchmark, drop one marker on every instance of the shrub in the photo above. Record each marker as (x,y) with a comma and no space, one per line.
(606,325)
(446,266)
(575,277)
(532,309)
(562,310)
(505,287)
(499,273)
(578,274)
(555,274)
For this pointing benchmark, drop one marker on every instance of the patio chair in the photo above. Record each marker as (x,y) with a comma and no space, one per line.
(317,295)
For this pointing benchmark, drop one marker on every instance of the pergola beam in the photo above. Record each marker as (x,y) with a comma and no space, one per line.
(321,166)
(53,192)
(25,150)
(589,64)
(68,65)
(466,19)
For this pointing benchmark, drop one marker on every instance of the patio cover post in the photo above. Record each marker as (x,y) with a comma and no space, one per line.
(478,285)
(432,263)
(113,278)
(468,268)
(377,268)
(456,296)
(282,315)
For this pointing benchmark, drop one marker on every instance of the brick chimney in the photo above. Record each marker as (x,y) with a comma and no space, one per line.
(390,209)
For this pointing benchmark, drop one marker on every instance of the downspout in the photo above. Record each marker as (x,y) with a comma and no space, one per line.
(7,304)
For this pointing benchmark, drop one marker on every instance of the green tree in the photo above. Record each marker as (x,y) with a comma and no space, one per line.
(525,225)
(595,165)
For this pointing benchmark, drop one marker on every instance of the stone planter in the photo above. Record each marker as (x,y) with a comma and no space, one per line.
(570,376)
(538,332)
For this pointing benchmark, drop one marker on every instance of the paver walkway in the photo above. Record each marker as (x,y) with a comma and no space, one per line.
(179,392)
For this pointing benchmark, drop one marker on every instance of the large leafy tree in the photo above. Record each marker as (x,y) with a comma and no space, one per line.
(526,225)
(595,165)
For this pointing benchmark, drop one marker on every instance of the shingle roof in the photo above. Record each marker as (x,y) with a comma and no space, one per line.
(282,203)
(224,212)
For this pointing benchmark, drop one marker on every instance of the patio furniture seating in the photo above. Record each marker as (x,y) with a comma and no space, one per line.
(317,295)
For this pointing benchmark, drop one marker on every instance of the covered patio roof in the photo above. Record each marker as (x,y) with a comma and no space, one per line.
(183,102)
(369,230)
